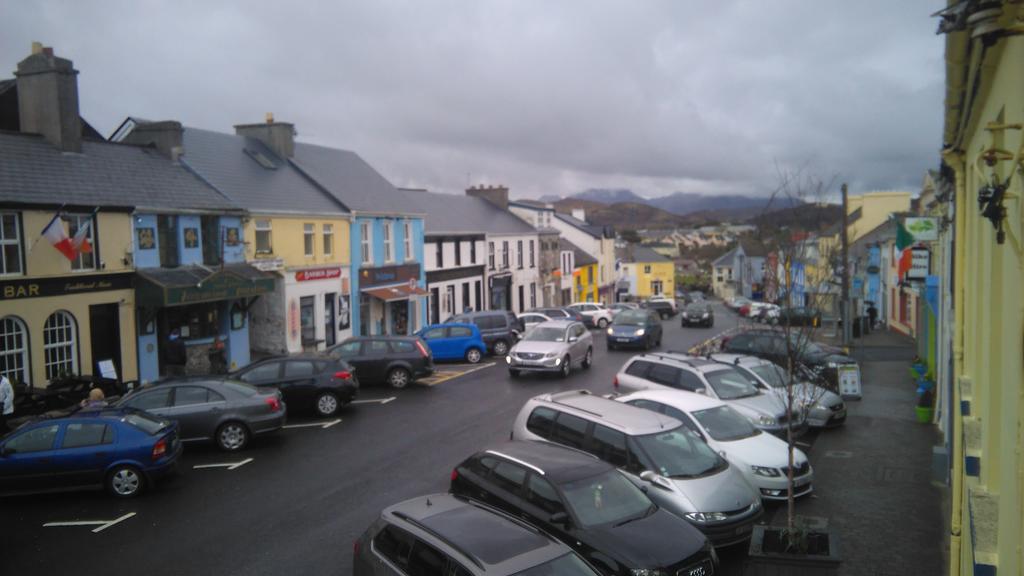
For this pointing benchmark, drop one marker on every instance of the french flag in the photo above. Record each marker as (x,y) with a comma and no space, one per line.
(54,232)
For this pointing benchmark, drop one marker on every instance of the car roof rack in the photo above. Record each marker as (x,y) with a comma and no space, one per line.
(558,396)
(439,536)
(665,356)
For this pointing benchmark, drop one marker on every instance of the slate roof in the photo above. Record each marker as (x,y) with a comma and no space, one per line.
(532,204)
(634,253)
(104,174)
(726,259)
(350,180)
(232,164)
(581,257)
(458,214)
(595,231)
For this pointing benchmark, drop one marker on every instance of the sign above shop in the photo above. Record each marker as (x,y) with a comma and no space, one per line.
(388,274)
(923,229)
(63,286)
(920,264)
(192,284)
(317,274)
(268,265)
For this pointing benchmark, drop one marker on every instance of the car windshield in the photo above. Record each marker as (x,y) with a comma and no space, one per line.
(725,424)
(631,318)
(546,334)
(568,565)
(771,374)
(606,498)
(731,383)
(680,453)
(696,309)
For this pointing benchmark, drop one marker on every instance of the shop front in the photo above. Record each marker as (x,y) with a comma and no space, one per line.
(500,291)
(391,300)
(191,318)
(310,310)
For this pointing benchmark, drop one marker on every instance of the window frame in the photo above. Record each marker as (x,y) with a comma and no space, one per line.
(74,223)
(407,239)
(327,231)
(387,229)
(9,349)
(54,367)
(264,227)
(490,255)
(533,258)
(366,243)
(519,255)
(309,239)
(15,241)
(504,255)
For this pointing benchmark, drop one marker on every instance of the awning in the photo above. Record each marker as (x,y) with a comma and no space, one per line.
(159,287)
(397,292)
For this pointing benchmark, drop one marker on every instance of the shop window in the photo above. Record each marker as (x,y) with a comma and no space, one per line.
(308,240)
(407,239)
(307,320)
(237,317)
(60,350)
(10,244)
(264,243)
(328,240)
(13,349)
(192,322)
(85,259)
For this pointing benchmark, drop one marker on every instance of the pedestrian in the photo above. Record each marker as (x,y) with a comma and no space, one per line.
(218,364)
(96,399)
(872,314)
(6,403)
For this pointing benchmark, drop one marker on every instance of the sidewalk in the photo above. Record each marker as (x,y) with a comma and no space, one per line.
(872,475)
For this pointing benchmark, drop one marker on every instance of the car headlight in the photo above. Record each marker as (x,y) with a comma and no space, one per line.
(766,420)
(766,471)
(832,365)
(705,315)
(647,572)
(551,354)
(508,359)
(703,517)
(610,331)
(558,361)
(821,406)
(639,332)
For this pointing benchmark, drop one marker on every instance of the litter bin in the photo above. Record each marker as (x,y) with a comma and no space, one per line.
(856,327)
(866,321)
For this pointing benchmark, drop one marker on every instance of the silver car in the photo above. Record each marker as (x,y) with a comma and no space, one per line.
(553,346)
(824,408)
(677,469)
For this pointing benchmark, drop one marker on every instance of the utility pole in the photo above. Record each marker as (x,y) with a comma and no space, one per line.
(844,256)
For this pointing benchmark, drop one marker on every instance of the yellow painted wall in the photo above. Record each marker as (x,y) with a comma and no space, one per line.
(287,240)
(875,209)
(113,229)
(664,271)
(582,290)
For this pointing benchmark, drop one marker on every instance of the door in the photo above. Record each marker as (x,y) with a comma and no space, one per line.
(298,383)
(85,451)
(28,464)
(579,347)
(330,329)
(195,411)
(435,306)
(437,340)
(105,336)
(375,358)
(307,310)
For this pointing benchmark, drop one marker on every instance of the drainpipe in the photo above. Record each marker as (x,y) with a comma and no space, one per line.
(959,236)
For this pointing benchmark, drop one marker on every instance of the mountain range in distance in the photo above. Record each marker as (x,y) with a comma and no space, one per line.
(684,203)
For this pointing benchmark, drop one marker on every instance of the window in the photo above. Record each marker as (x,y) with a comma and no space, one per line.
(540,422)
(263,240)
(504,254)
(426,561)
(394,544)
(13,349)
(264,372)
(533,260)
(465,296)
(664,375)
(190,396)
(365,243)
(533,295)
(35,440)
(570,430)
(299,369)
(389,248)
(490,255)
(407,239)
(86,256)
(439,254)
(519,254)
(542,494)
(609,445)
(308,236)
(590,275)
(656,287)
(167,239)
(10,244)
(402,346)
(348,349)
(458,253)
(509,476)
(638,369)
(59,350)
(460,332)
(150,400)
(690,381)
(328,240)
(212,239)
(472,251)
(79,434)
(647,268)
(449,299)
(434,334)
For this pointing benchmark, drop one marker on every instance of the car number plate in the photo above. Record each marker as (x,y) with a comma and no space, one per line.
(622,339)
(743,529)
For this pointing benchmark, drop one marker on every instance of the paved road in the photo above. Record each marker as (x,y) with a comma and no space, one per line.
(307,493)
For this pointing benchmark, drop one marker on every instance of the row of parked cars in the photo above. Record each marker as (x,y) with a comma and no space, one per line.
(769,313)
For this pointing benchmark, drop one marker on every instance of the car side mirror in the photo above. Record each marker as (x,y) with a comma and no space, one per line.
(701,391)
(650,476)
(573,339)
(559,518)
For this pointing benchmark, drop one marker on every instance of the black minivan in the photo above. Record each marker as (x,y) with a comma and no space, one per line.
(499,329)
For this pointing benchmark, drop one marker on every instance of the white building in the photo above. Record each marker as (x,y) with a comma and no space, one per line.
(598,241)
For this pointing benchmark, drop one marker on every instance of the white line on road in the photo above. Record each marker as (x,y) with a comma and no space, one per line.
(101,525)
(324,425)
(375,400)
(228,465)
(477,367)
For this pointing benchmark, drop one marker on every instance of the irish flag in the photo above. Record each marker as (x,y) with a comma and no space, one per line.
(54,232)
(904,242)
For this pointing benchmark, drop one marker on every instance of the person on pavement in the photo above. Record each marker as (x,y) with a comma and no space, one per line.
(6,403)
(96,399)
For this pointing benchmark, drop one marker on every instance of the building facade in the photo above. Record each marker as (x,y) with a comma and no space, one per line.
(646,273)
(540,216)
(598,241)
(579,273)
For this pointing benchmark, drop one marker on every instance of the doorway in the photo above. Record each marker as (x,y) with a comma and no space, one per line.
(105,336)
(329,328)
(306,314)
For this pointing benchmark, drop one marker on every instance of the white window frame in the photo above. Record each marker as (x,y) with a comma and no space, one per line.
(366,242)
(389,239)
(309,239)
(407,240)
(328,232)
(533,259)
(490,255)
(504,255)
(265,227)
(60,346)
(519,255)
(14,360)
(74,222)
(5,268)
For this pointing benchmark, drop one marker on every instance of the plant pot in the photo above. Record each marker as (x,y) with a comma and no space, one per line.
(924,414)
(768,557)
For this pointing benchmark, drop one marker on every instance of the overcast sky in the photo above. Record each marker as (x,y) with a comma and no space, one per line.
(545,97)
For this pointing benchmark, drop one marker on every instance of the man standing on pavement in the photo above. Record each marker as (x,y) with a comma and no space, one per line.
(6,403)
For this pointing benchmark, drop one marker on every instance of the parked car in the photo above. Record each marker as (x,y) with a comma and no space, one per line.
(444,534)
(766,314)
(799,316)
(635,328)
(736,302)
(553,346)
(530,319)
(394,360)
(587,504)
(762,458)
(595,315)
(664,308)
(561,313)
(824,362)
(698,314)
(824,408)
(320,384)
(677,469)
(454,342)
(500,330)
(621,306)
(122,450)
(227,412)
(675,371)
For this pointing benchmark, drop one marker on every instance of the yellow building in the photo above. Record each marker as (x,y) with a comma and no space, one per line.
(647,273)
(586,289)
(579,272)
(984,139)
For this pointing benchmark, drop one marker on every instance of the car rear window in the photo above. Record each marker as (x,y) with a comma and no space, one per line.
(241,387)
(402,346)
(147,424)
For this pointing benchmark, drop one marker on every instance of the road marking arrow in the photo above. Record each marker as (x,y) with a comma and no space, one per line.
(375,400)
(100,525)
(228,465)
(324,425)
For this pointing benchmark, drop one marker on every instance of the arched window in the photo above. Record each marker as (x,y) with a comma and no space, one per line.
(13,349)
(59,348)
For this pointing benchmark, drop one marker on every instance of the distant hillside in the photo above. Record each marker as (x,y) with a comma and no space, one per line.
(610,196)
(807,217)
(624,215)
(720,207)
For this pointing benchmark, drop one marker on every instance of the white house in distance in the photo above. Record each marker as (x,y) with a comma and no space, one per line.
(737,273)
(598,241)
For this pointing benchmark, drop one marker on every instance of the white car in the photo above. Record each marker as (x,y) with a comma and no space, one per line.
(531,319)
(763,458)
(595,313)
(672,301)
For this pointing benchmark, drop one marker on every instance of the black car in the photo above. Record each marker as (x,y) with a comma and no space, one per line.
(499,329)
(799,316)
(641,328)
(587,504)
(320,384)
(664,308)
(393,360)
(698,314)
(823,362)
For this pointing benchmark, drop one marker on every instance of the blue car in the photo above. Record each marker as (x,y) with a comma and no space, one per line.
(122,449)
(641,328)
(455,341)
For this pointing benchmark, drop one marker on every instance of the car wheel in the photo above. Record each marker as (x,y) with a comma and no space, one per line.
(588,360)
(232,436)
(657,342)
(500,348)
(711,323)
(473,355)
(602,323)
(612,346)
(663,315)
(326,404)
(398,378)
(125,481)
(513,372)
(566,367)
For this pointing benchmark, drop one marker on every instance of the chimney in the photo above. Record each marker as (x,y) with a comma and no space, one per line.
(165,135)
(497,195)
(48,98)
(579,214)
(278,136)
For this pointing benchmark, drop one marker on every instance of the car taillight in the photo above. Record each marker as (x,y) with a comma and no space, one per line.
(343,375)
(355,547)
(160,448)
(615,382)
(455,474)
(423,349)
(274,403)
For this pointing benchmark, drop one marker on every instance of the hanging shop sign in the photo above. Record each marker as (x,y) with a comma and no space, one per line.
(923,229)
(920,264)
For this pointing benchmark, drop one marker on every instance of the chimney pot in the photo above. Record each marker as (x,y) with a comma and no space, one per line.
(270,117)
(48,98)
(37,47)
(48,51)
